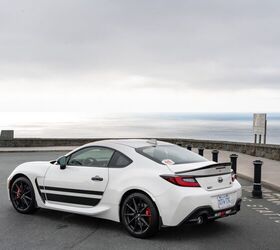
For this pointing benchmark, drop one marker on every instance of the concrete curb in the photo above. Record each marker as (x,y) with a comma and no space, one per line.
(264,183)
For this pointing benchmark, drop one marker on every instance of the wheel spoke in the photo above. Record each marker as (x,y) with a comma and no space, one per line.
(141,227)
(144,222)
(20,204)
(129,214)
(145,206)
(133,210)
(25,201)
(135,206)
(27,192)
(135,224)
(28,198)
(132,220)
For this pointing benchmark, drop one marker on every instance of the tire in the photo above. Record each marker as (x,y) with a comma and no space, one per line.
(22,196)
(140,216)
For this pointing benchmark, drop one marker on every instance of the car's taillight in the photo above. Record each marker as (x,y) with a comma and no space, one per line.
(233,176)
(182,181)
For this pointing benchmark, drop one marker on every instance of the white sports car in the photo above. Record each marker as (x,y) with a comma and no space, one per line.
(145,184)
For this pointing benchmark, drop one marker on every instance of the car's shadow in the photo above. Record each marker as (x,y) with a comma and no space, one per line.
(186,231)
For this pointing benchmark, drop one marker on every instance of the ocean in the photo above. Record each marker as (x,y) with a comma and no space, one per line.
(210,126)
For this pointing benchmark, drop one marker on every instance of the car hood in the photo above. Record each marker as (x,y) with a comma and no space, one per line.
(38,167)
(35,163)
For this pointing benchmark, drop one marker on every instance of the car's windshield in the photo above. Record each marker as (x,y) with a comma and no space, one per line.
(170,154)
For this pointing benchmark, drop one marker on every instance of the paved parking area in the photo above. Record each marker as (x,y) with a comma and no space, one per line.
(257,226)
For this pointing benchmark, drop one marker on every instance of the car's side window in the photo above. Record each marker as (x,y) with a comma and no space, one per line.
(91,157)
(119,160)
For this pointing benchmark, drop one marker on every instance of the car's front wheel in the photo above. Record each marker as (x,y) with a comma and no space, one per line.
(140,215)
(22,195)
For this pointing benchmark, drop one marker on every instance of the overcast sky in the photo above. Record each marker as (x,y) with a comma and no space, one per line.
(140,56)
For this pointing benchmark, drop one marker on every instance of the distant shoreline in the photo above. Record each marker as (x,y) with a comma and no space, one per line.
(209,126)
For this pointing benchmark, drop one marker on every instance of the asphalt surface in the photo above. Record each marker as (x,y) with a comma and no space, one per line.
(257,226)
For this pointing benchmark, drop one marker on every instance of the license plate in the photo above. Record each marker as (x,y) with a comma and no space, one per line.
(224,201)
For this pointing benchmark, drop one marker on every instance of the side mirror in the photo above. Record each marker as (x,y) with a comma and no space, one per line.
(62,161)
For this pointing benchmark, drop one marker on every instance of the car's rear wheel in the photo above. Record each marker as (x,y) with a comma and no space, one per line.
(140,215)
(22,195)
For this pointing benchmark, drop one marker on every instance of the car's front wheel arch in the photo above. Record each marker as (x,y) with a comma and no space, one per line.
(27,192)
(16,176)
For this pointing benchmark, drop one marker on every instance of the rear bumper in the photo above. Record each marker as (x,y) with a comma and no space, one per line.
(207,213)
(177,204)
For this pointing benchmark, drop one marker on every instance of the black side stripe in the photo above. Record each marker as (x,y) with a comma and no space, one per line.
(72,199)
(71,190)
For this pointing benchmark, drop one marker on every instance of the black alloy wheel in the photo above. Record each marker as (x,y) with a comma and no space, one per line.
(22,196)
(140,215)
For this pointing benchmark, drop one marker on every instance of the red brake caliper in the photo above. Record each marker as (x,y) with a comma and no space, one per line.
(149,214)
(18,192)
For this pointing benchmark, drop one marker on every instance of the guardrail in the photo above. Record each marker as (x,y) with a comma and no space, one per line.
(268,151)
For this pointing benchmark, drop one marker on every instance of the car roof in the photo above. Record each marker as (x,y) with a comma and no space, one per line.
(133,143)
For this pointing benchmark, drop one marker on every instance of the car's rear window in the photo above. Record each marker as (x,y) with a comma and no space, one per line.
(170,154)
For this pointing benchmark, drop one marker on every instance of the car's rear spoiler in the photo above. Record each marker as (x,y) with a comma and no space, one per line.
(217,166)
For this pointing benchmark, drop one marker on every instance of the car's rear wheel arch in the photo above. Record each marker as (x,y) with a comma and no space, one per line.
(131,191)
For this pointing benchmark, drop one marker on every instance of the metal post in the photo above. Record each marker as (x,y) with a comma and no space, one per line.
(215,154)
(256,138)
(257,188)
(189,147)
(200,151)
(260,139)
(233,159)
(265,131)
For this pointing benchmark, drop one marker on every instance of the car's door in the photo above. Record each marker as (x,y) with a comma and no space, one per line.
(82,182)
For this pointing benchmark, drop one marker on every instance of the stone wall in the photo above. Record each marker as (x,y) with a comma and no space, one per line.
(7,135)
(259,150)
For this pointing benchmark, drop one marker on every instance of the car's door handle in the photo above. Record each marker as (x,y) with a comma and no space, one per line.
(97,178)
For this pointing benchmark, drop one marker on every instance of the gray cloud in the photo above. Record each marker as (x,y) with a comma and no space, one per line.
(188,44)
